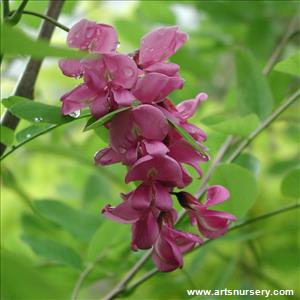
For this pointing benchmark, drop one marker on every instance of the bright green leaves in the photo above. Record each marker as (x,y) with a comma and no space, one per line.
(108,235)
(80,224)
(34,111)
(15,42)
(239,126)
(242,186)
(290,65)
(290,185)
(253,92)
(53,251)
(93,123)
(7,136)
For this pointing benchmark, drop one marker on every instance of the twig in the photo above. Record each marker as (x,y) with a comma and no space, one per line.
(263,126)
(25,87)
(267,215)
(45,17)
(292,28)
(84,274)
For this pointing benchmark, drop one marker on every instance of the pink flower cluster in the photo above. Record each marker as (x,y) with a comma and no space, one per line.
(142,137)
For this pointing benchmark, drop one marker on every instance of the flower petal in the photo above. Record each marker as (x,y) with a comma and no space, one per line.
(106,156)
(167,68)
(160,44)
(151,121)
(187,108)
(145,231)
(140,198)
(155,148)
(162,168)
(77,98)
(70,67)
(216,194)
(122,69)
(98,37)
(154,87)
(122,96)
(123,213)
(100,106)
(162,197)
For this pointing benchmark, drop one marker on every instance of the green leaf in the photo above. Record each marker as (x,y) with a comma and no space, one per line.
(10,101)
(79,223)
(253,92)
(16,42)
(53,251)
(30,132)
(7,136)
(290,185)
(249,162)
(32,282)
(187,137)
(241,185)
(108,235)
(240,126)
(93,123)
(290,65)
(37,112)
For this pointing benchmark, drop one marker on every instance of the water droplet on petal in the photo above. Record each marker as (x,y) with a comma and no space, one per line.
(118,45)
(75,114)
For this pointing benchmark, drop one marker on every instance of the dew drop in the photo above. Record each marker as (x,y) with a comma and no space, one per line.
(28,135)
(118,45)
(75,114)
(38,119)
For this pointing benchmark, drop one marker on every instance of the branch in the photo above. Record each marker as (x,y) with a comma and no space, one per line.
(267,215)
(291,30)
(264,125)
(25,87)
(84,274)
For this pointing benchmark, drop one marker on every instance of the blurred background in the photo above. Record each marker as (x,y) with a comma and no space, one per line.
(52,194)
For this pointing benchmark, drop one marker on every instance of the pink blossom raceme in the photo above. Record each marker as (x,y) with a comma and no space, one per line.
(143,138)
(169,247)
(159,78)
(107,84)
(211,223)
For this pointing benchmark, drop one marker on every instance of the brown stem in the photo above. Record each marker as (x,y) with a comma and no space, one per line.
(25,87)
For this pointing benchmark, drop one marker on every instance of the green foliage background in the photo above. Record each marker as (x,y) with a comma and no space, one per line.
(52,194)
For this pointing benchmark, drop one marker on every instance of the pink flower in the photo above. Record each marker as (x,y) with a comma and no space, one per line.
(145,227)
(107,84)
(169,247)
(211,223)
(162,168)
(88,35)
(180,113)
(159,78)
(159,44)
